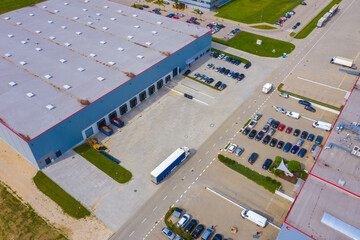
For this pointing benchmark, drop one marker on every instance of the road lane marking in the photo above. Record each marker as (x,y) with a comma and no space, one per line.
(165,197)
(154,208)
(174,187)
(200,160)
(131,233)
(214,145)
(325,85)
(143,220)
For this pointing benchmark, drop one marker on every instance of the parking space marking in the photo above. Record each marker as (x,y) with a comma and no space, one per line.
(174,187)
(131,233)
(214,145)
(165,197)
(193,182)
(200,160)
(196,178)
(310,119)
(181,196)
(154,208)
(325,85)
(143,220)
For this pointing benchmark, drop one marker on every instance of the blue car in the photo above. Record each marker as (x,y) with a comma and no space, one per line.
(311,137)
(267,164)
(295,149)
(314,147)
(319,140)
(170,15)
(287,147)
(302,152)
(303,102)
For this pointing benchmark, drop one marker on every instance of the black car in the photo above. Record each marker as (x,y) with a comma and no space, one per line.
(246,131)
(218,84)
(145,6)
(216,54)
(252,134)
(218,237)
(210,80)
(198,231)
(267,164)
(303,102)
(234,60)
(253,158)
(276,124)
(304,135)
(310,108)
(237,63)
(187,72)
(241,76)
(227,71)
(266,139)
(229,59)
(297,132)
(259,136)
(280,144)
(191,225)
(247,65)
(222,70)
(273,142)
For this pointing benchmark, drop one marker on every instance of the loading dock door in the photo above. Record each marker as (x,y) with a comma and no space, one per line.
(160,84)
(101,123)
(151,89)
(142,96)
(112,115)
(123,109)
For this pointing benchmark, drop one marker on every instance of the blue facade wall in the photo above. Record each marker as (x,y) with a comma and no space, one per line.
(287,232)
(68,133)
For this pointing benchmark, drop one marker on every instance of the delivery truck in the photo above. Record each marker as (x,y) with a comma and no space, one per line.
(322,125)
(267,88)
(169,164)
(342,61)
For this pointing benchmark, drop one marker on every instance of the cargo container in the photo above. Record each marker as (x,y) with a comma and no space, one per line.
(106,130)
(117,122)
(321,22)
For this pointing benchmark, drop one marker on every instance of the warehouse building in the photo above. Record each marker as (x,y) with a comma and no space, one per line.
(68,67)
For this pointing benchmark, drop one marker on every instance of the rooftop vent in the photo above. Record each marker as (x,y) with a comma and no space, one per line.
(50,107)
(92,55)
(112,19)
(66,3)
(47,76)
(30,94)
(140,56)
(84,9)
(121,49)
(52,37)
(23,63)
(63,60)
(56,11)
(86,1)
(106,6)
(38,49)
(10,35)
(24,42)
(78,33)
(64,27)
(80,69)
(103,42)
(90,23)
(44,6)
(105,28)
(130,37)
(100,79)
(120,11)
(67,44)
(159,23)
(31,14)
(134,15)
(13,84)
(67,87)
(38,31)
(148,43)
(51,22)
(98,14)
(19,23)
(6,18)
(8,55)
(154,32)
(111,63)
(76,18)
(136,26)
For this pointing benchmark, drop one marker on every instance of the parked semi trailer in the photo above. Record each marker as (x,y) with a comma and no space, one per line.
(342,61)
(169,164)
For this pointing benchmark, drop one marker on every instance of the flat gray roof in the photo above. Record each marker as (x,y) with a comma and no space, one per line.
(333,186)
(68,52)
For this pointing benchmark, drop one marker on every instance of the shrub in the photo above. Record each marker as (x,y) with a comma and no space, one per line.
(294,166)
(278,173)
(303,175)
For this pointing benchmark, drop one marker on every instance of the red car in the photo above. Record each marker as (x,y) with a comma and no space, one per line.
(281,127)
(288,130)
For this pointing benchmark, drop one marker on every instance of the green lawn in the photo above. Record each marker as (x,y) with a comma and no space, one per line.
(246,42)
(113,170)
(9,5)
(265,27)
(256,11)
(68,204)
(312,25)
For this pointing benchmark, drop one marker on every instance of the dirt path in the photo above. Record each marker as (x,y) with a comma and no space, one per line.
(17,172)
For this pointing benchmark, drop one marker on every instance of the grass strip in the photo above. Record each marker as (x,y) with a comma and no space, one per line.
(312,25)
(67,203)
(309,99)
(210,86)
(113,170)
(10,5)
(170,224)
(267,182)
(227,146)
(265,27)
(243,60)
(246,42)
(248,121)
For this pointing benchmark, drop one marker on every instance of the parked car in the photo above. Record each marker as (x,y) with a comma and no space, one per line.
(217,69)
(246,131)
(257,116)
(310,108)
(280,109)
(210,80)
(218,237)
(218,84)
(252,123)
(210,65)
(227,71)
(266,139)
(314,147)
(292,12)
(273,142)
(187,72)
(221,56)
(241,77)
(294,149)
(318,140)
(237,63)
(300,142)
(207,234)
(196,75)
(266,128)
(177,212)
(278,22)
(247,65)
(311,137)
(223,86)
(280,144)
(304,134)
(145,6)
(235,75)
(205,79)
(253,158)
(303,3)
(302,152)
(222,70)
(198,231)
(167,232)
(230,73)
(183,220)
(239,151)
(284,95)
(297,132)
(232,148)
(303,102)
(192,224)
(252,134)
(288,130)
(267,164)
(287,147)
(275,124)
(270,121)
(281,127)
(259,136)
(272,131)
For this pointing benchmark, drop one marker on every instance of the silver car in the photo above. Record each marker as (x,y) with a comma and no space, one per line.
(167,232)
(232,148)
(280,109)
(284,95)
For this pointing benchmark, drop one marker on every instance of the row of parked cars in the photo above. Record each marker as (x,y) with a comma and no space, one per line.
(285,17)
(209,80)
(232,60)
(191,226)
(234,32)
(215,27)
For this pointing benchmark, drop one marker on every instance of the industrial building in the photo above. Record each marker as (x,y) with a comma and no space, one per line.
(328,205)
(68,67)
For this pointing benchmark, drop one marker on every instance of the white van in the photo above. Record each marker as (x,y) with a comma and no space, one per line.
(293,115)
(322,125)
(254,217)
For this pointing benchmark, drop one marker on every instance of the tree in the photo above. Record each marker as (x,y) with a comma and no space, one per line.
(294,166)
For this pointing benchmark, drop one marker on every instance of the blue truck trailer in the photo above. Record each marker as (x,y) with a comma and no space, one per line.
(169,164)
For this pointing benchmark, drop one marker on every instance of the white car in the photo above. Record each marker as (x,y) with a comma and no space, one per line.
(183,220)
(252,124)
(167,232)
(232,148)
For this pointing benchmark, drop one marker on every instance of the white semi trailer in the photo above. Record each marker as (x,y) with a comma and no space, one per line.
(342,61)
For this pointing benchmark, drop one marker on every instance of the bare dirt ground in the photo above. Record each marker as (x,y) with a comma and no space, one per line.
(17,172)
